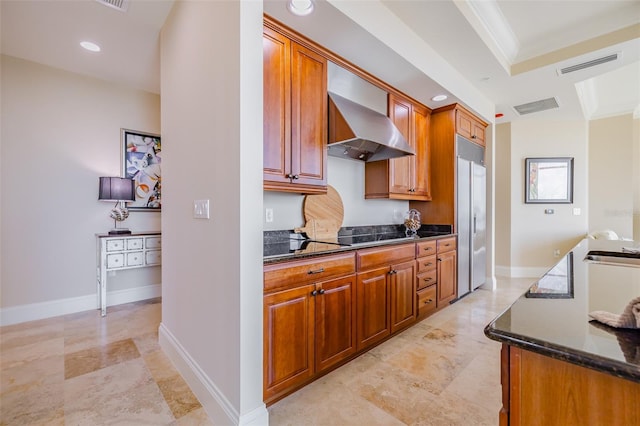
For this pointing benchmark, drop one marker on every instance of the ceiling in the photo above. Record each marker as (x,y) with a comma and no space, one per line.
(503,52)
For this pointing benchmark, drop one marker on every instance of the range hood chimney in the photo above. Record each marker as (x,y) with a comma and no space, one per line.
(358,132)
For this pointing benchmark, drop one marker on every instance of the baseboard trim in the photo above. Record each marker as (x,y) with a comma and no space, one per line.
(217,406)
(54,308)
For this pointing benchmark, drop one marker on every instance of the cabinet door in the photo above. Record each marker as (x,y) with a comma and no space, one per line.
(422,159)
(288,339)
(400,169)
(308,117)
(372,295)
(335,321)
(446,277)
(403,295)
(477,133)
(276,53)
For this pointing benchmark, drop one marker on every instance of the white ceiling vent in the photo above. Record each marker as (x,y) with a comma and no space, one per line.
(121,5)
(589,64)
(536,106)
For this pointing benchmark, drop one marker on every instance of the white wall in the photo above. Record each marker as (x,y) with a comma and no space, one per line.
(503,198)
(611,175)
(60,132)
(347,177)
(211,82)
(534,234)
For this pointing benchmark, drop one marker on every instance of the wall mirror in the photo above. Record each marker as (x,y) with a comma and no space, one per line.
(549,180)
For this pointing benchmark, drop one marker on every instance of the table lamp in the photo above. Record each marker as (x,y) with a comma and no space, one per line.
(119,190)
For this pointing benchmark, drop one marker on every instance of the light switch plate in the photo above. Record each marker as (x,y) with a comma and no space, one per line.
(268,215)
(201,209)
(576,211)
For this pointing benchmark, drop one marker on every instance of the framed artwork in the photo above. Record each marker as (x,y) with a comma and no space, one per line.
(141,160)
(548,180)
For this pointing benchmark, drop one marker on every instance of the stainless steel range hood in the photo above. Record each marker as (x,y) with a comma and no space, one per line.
(358,132)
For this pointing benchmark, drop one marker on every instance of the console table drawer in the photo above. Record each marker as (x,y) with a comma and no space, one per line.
(153,242)
(134,243)
(154,257)
(115,245)
(135,258)
(115,260)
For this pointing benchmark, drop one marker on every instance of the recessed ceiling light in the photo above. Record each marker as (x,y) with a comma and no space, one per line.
(92,47)
(439,98)
(300,7)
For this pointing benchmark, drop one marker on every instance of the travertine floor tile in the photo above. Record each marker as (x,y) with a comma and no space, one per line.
(88,360)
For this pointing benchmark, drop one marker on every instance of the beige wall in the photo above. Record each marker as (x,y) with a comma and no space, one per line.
(636,178)
(60,131)
(611,175)
(503,198)
(211,82)
(534,234)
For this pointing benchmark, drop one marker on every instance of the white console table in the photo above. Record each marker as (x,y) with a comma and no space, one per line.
(128,251)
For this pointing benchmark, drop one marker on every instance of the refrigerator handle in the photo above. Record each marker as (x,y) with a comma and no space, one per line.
(474,224)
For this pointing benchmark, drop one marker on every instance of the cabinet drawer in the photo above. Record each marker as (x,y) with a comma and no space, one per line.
(426,279)
(153,242)
(115,245)
(115,260)
(426,248)
(293,274)
(135,258)
(153,257)
(427,264)
(134,243)
(370,258)
(426,300)
(446,244)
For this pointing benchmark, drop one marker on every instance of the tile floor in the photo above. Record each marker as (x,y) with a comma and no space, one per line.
(81,369)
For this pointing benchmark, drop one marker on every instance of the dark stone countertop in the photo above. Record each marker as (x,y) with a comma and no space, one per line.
(552,317)
(280,246)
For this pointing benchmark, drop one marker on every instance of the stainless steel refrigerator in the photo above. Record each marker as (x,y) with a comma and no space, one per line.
(471,216)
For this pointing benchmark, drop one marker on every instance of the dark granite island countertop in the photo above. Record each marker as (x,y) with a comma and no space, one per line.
(552,317)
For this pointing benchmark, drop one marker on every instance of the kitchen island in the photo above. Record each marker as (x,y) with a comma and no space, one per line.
(559,366)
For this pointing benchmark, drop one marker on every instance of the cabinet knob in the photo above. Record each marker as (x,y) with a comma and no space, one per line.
(314,292)
(393,272)
(473,137)
(290,176)
(321,291)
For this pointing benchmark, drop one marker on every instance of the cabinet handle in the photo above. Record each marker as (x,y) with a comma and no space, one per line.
(473,136)
(427,279)
(314,292)
(426,302)
(321,291)
(427,249)
(393,272)
(317,271)
(428,264)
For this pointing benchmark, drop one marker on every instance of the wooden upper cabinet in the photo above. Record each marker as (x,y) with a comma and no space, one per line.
(470,127)
(295,116)
(404,178)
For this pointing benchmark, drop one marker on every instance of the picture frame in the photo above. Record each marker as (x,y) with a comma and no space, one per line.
(141,162)
(548,180)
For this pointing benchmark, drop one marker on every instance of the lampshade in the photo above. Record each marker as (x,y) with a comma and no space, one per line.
(116,189)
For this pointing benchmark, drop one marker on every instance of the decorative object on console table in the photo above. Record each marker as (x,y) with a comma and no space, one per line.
(119,190)
(141,158)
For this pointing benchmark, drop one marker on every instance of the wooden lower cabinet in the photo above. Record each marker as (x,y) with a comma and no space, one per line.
(446,277)
(335,315)
(403,295)
(307,330)
(289,319)
(372,295)
(540,390)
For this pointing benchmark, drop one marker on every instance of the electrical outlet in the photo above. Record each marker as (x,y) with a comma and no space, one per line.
(268,215)
(576,211)
(556,253)
(201,209)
